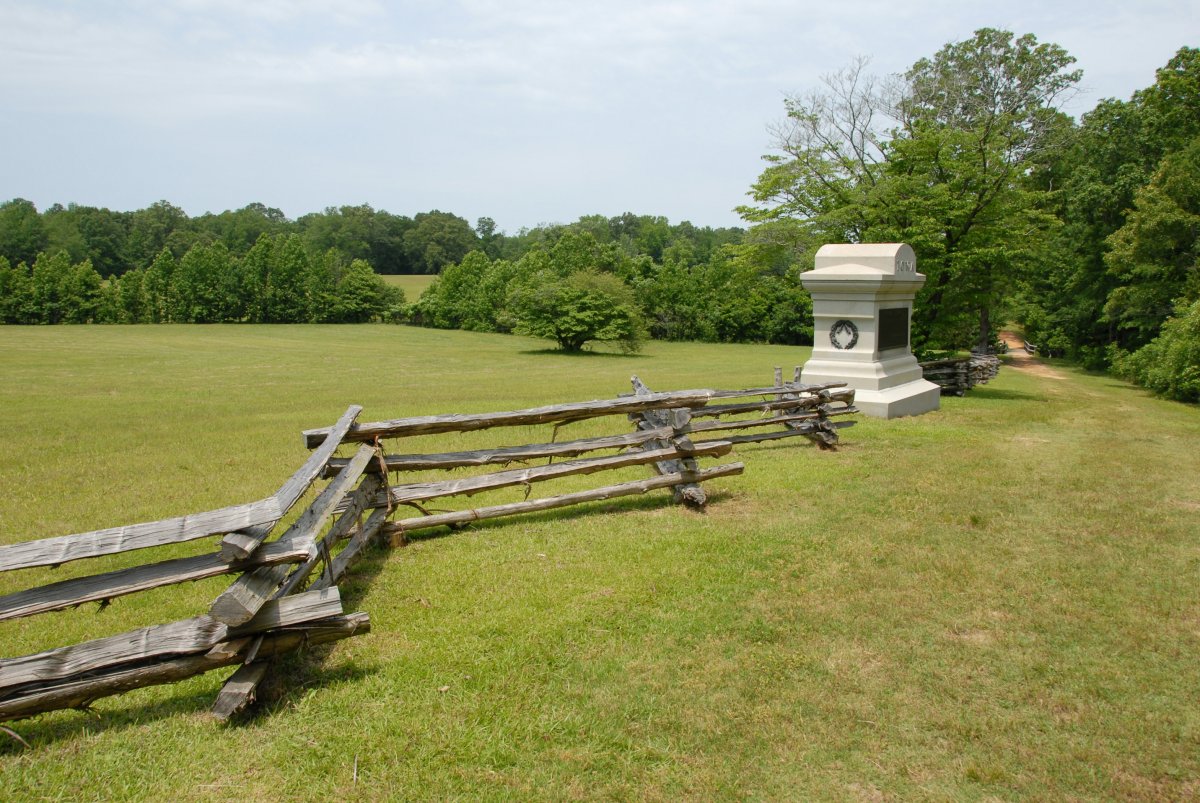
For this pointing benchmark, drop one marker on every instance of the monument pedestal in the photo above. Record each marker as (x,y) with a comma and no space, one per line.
(862,304)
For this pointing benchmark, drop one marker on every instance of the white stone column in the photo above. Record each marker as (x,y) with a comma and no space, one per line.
(862,308)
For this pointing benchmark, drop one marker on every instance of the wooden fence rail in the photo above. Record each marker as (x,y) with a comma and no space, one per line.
(74,675)
(246,525)
(285,594)
(957,375)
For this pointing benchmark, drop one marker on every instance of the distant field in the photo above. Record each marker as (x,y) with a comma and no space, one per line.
(412,285)
(994,601)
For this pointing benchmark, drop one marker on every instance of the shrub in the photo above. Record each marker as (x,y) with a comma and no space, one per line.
(1169,365)
(577,309)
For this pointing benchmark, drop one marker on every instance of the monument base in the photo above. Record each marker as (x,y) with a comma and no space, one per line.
(911,398)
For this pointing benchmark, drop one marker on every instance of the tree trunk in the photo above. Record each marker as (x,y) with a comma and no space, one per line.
(985,330)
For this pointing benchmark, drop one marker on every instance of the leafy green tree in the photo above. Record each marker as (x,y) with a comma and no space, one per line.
(653,237)
(131,302)
(575,251)
(1155,256)
(938,160)
(469,295)
(159,287)
(62,232)
(16,294)
(388,253)
(61,292)
(158,226)
(277,272)
(108,305)
(1171,106)
(360,232)
(1170,364)
(239,230)
(49,280)
(320,286)
(361,295)
(256,277)
(438,239)
(22,232)
(729,298)
(284,294)
(205,286)
(489,238)
(82,293)
(577,309)
(985,109)
(87,232)
(675,302)
(1091,180)
(105,233)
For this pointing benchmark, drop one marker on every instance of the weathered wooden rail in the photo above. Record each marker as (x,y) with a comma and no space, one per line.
(957,375)
(285,594)
(250,629)
(665,421)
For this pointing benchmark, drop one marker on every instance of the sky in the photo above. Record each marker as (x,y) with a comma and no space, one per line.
(524,111)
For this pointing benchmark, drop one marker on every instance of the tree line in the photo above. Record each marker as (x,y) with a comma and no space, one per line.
(278,280)
(663,280)
(115,241)
(622,280)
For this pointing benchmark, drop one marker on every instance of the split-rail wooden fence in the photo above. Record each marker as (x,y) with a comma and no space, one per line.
(957,375)
(285,596)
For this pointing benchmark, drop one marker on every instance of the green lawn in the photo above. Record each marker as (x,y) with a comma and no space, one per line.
(994,601)
(412,285)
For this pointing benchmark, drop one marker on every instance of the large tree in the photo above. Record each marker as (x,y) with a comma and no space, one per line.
(574,310)
(1155,256)
(22,232)
(438,239)
(937,158)
(158,226)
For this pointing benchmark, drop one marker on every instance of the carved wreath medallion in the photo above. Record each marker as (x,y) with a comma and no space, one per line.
(843,335)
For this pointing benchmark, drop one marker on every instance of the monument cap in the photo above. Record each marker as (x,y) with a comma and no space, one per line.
(887,258)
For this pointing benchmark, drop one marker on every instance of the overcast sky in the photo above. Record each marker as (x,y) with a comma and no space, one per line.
(523,111)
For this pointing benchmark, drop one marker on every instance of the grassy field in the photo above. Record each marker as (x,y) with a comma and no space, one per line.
(994,601)
(412,285)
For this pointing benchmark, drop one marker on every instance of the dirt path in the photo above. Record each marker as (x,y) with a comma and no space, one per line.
(1020,358)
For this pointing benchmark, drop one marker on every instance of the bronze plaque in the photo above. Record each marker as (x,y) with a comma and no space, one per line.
(893,328)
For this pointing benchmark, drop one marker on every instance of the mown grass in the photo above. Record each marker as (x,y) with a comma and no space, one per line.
(412,284)
(997,600)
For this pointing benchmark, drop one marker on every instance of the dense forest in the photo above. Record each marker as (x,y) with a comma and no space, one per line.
(1083,232)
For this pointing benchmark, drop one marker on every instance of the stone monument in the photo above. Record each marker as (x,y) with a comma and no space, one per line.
(862,304)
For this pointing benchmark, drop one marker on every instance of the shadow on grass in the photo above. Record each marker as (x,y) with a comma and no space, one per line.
(798,444)
(110,714)
(586,353)
(648,503)
(292,676)
(295,674)
(1002,394)
(1136,390)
